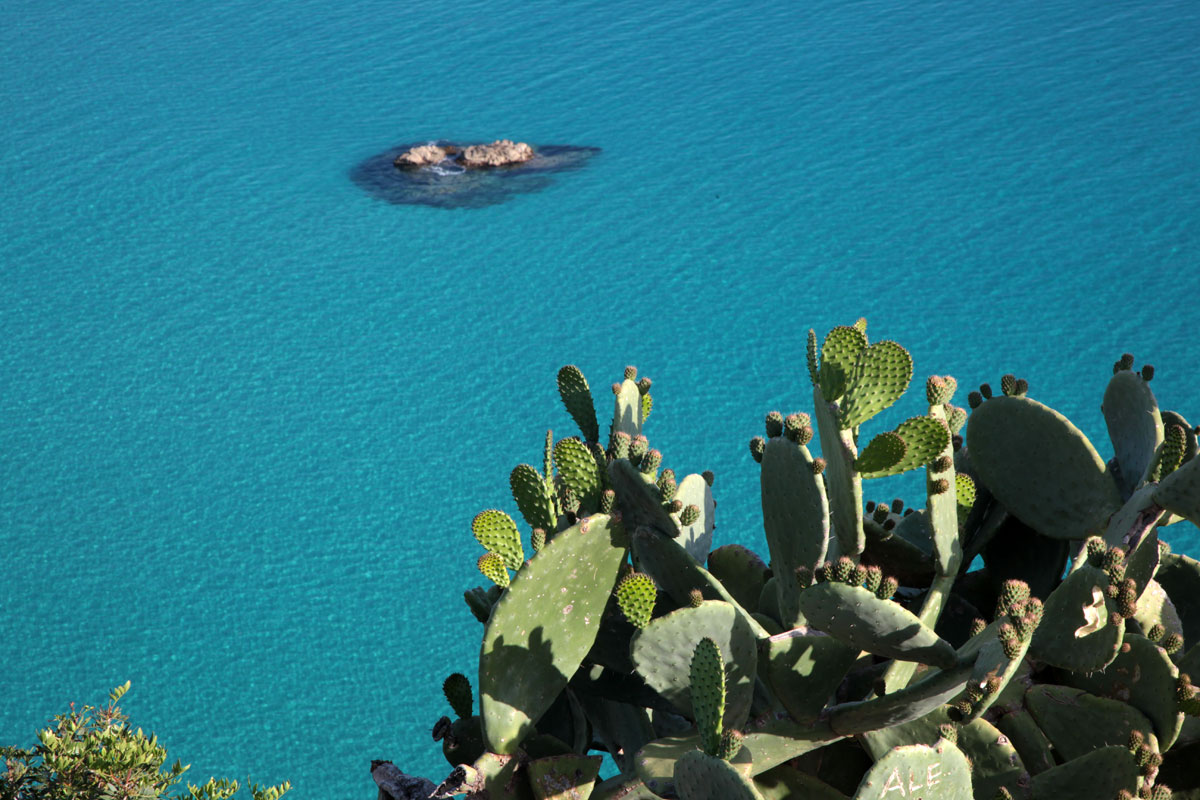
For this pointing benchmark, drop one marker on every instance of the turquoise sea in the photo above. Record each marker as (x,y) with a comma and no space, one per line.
(248,409)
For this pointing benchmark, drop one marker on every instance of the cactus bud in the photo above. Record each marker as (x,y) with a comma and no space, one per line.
(1013,596)
(978,626)
(695,598)
(774,424)
(887,588)
(758,446)
(1147,372)
(940,486)
(644,386)
(1021,388)
(492,566)
(538,539)
(457,689)
(689,515)
(985,389)
(949,733)
(675,506)
(608,501)
(638,449)
(794,425)
(874,579)
(1172,643)
(1136,740)
(858,576)
(975,399)
(1008,383)
(1095,551)
(939,389)
(842,569)
(731,745)
(708,476)
(631,373)
(897,505)
(1156,632)
(651,462)
(804,576)
(880,513)
(942,463)
(818,466)
(667,485)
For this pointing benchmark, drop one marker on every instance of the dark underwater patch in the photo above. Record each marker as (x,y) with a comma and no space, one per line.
(454,187)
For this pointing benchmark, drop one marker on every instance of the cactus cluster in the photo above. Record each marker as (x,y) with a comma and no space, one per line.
(1021,632)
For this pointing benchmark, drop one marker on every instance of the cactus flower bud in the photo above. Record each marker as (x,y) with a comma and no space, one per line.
(758,446)
(774,424)
(631,373)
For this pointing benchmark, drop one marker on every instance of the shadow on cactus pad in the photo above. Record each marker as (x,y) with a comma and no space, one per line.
(451,186)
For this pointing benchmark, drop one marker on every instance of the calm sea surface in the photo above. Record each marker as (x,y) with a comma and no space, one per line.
(247,410)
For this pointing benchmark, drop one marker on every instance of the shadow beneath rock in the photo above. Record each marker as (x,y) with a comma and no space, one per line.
(450,186)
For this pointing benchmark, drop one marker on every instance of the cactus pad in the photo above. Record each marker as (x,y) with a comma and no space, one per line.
(636,594)
(1179,492)
(627,409)
(1080,629)
(880,376)
(707,680)
(940,772)
(498,534)
(577,397)
(580,472)
(795,514)
(1041,467)
(839,354)
(1134,426)
(492,567)
(880,455)
(662,655)
(565,777)
(457,689)
(1077,722)
(534,502)
(543,626)
(696,535)
(699,776)
(882,627)
(805,668)
(1100,773)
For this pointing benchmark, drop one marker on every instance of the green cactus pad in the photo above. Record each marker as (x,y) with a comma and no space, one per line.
(880,455)
(534,502)
(914,701)
(880,376)
(1041,467)
(707,680)
(1077,722)
(810,351)
(635,597)
(696,537)
(1100,774)
(1189,433)
(662,655)
(805,668)
(1134,426)
(795,515)
(621,728)
(492,567)
(740,571)
(788,783)
(498,534)
(1028,740)
(464,743)
(699,776)
(639,500)
(567,777)
(577,397)
(839,354)
(1154,607)
(1078,631)
(843,484)
(579,470)
(881,627)
(925,438)
(1143,676)
(623,787)
(1179,492)
(1180,577)
(996,667)
(457,689)
(940,772)
(543,626)
(627,409)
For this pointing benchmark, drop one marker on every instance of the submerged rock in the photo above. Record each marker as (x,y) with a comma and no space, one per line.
(447,183)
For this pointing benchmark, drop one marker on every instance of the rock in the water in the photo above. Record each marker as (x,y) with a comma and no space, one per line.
(497,154)
(421,156)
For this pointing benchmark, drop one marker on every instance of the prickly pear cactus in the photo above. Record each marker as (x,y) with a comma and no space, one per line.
(1018,630)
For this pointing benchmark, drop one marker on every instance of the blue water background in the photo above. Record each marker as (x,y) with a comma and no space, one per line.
(247,411)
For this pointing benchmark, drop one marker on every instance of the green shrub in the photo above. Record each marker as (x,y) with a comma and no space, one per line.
(95,754)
